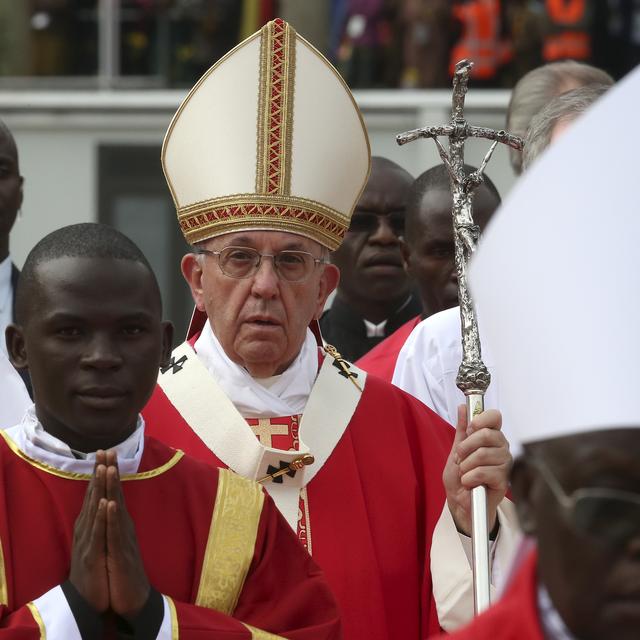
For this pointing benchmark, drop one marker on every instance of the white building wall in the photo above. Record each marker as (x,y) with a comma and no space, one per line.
(58,135)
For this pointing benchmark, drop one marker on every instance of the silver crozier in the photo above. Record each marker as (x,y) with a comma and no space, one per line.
(473,376)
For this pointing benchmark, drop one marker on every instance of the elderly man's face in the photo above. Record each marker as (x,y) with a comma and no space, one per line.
(589,563)
(260,321)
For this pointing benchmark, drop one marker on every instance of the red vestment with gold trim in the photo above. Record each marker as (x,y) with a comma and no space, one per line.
(372,507)
(284,592)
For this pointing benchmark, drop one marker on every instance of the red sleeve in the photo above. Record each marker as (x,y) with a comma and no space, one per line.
(284,594)
(19,624)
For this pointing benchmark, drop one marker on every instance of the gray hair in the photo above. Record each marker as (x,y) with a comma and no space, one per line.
(532,92)
(563,108)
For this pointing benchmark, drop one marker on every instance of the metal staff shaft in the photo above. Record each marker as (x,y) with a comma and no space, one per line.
(480,529)
(473,376)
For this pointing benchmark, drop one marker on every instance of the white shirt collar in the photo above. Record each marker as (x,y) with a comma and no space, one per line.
(40,445)
(374,330)
(282,395)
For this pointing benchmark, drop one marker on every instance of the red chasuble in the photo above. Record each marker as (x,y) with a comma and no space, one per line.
(514,616)
(381,360)
(210,541)
(370,509)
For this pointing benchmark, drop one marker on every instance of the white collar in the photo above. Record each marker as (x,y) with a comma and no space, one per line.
(282,395)
(40,445)
(374,330)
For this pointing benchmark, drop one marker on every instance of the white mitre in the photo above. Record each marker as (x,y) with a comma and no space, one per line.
(270,138)
(557,277)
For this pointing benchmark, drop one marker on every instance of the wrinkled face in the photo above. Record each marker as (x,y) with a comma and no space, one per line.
(10,183)
(93,341)
(594,586)
(260,321)
(430,246)
(370,261)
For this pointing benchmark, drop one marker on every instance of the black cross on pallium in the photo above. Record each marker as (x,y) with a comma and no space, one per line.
(344,368)
(283,465)
(174,366)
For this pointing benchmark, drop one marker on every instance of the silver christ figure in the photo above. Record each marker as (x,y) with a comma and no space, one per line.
(473,376)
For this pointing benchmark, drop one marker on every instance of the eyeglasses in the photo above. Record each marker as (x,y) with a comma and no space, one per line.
(244,262)
(369,222)
(610,515)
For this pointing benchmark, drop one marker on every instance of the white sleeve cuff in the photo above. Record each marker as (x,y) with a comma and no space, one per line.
(452,561)
(56,615)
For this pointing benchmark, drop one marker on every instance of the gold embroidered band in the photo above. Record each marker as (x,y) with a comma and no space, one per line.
(175,627)
(38,619)
(250,211)
(231,543)
(275,108)
(259,634)
(4,591)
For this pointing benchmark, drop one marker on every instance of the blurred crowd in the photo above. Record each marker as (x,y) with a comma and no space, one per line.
(374,43)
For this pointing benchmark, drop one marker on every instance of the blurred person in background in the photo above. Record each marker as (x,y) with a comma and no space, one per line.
(523,22)
(481,39)
(567,30)
(535,89)
(429,254)
(11,194)
(430,246)
(426,43)
(548,125)
(375,295)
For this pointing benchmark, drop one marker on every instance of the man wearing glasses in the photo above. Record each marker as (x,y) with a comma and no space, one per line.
(567,350)
(265,179)
(374,297)
(429,254)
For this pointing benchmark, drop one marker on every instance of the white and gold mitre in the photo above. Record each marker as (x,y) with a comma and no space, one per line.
(270,138)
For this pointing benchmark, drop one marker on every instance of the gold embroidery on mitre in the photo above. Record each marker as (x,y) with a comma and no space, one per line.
(275,108)
(210,218)
(231,543)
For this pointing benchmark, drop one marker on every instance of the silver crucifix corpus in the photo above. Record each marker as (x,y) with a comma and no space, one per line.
(473,376)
